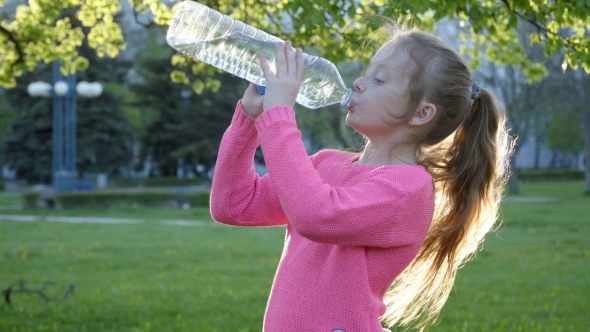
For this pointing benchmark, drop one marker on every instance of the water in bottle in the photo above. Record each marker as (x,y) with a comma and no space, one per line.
(234,46)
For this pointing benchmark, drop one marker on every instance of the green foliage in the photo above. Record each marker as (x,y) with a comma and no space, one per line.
(111,200)
(26,147)
(564,132)
(158,98)
(6,114)
(133,113)
(104,135)
(31,199)
(188,129)
(42,31)
(552,174)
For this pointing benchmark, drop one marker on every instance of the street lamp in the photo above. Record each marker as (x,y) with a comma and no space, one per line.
(185,95)
(63,92)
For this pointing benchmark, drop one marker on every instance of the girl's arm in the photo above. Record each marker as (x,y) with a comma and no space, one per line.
(386,209)
(238,195)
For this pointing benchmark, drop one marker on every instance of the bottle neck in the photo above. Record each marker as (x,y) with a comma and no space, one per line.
(347,98)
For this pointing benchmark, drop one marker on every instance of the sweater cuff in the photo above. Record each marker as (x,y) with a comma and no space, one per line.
(274,115)
(242,121)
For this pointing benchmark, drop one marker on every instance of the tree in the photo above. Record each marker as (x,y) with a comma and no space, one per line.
(564,134)
(104,135)
(205,119)
(26,146)
(531,106)
(184,128)
(40,32)
(6,114)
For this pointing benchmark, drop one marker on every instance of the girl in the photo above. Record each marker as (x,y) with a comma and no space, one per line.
(378,235)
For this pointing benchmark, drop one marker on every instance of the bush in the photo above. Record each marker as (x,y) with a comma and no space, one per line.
(31,199)
(1,185)
(168,181)
(140,199)
(543,175)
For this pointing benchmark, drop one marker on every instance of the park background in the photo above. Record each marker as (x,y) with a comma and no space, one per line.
(133,247)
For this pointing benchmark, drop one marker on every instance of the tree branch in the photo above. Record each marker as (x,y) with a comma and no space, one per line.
(41,291)
(145,25)
(533,20)
(264,6)
(19,50)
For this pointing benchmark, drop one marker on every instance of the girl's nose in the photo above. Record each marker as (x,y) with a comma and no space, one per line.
(358,87)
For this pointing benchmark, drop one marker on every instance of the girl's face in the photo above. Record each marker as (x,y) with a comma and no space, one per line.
(378,106)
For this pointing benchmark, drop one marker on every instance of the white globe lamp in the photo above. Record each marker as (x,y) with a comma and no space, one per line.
(60,88)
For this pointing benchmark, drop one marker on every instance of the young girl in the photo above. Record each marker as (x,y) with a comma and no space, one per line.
(380,235)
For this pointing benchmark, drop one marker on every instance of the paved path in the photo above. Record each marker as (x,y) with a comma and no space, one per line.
(91,220)
(180,222)
(532,199)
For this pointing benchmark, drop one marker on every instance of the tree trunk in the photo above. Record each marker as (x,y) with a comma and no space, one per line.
(513,181)
(537,150)
(587,148)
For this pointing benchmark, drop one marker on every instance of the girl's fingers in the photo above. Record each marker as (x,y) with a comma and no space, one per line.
(290,55)
(280,60)
(264,65)
(300,66)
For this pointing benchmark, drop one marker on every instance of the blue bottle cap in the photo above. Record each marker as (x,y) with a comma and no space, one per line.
(261,89)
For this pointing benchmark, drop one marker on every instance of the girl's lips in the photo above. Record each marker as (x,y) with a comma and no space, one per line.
(351,106)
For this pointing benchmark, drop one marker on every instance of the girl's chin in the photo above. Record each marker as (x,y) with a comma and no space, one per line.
(351,123)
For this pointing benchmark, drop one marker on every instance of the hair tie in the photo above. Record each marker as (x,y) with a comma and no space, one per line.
(475,91)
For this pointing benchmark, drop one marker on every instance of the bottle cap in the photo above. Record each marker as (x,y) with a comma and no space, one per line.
(261,89)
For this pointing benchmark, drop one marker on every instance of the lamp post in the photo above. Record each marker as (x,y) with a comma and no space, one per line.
(64,92)
(185,97)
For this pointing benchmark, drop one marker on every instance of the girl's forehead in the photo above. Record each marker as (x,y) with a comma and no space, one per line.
(390,55)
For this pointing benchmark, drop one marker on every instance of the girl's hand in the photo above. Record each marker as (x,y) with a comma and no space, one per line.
(252,102)
(282,88)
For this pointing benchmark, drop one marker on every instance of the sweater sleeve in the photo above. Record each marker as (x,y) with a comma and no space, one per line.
(387,209)
(239,196)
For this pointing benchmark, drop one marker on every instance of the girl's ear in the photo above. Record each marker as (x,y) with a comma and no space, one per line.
(424,114)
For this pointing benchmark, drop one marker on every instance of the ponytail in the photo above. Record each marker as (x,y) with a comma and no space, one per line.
(467,152)
(470,170)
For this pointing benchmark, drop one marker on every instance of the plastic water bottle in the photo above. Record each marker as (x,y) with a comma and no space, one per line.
(234,46)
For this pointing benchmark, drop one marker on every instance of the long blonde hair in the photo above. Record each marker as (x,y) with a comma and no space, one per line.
(467,152)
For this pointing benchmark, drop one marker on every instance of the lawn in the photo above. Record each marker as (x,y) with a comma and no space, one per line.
(11,199)
(533,273)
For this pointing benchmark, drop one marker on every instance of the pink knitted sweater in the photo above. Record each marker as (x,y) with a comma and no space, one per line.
(351,228)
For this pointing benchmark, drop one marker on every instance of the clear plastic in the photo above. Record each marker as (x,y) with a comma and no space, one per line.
(234,46)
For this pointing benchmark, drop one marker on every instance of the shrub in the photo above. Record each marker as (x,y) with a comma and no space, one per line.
(556,174)
(168,181)
(195,199)
(141,199)
(31,199)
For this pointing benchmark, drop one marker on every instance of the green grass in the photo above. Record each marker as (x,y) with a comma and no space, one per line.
(147,277)
(10,199)
(533,273)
